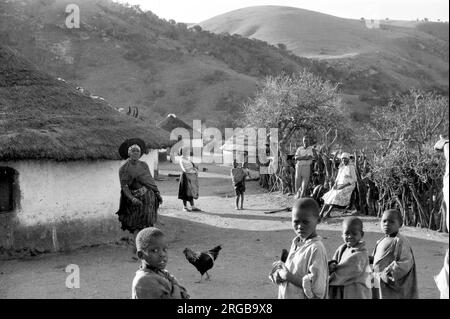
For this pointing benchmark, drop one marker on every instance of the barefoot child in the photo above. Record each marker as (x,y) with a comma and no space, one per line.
(152,281)
(349,269)
(305,273)
(393,261)
(238,175)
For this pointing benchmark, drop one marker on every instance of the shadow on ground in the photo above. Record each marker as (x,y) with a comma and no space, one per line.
(241,270)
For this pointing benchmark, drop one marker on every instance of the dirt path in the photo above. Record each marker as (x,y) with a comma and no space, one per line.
(251,241)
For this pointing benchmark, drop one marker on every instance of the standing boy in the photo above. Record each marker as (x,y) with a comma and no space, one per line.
(305,273)
(238,175)
(349,269)
(393,261)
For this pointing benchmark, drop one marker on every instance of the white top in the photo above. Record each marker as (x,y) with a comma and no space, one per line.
(187,166)
(307,260)
(302,151)
(346,174)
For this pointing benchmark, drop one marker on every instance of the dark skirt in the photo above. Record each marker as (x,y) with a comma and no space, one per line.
(184,192)
(137,217)
(239,187)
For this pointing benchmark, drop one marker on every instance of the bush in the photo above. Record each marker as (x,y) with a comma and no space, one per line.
(406,169)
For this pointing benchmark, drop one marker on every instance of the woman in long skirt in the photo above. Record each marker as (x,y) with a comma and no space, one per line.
(140,197)
(188,187)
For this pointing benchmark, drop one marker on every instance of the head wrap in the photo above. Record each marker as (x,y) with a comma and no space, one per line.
(345,155)
(133,147)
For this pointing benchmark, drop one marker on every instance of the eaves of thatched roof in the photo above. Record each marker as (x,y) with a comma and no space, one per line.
(44,118)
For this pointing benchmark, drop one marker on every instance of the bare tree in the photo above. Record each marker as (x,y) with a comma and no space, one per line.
(301,102)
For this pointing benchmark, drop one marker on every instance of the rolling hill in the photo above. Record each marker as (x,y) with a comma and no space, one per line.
(133,58)
(404,53)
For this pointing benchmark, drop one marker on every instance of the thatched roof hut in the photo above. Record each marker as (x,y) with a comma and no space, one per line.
(172,121)
(59,160)
(45,118)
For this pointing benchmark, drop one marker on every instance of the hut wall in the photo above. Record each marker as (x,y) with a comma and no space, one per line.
(65,205)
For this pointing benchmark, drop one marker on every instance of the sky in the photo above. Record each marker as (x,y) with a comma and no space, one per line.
(195,11)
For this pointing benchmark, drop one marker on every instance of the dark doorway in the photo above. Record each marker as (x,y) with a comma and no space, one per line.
(8,189)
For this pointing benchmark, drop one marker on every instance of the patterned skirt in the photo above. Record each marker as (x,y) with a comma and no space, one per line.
(137,217)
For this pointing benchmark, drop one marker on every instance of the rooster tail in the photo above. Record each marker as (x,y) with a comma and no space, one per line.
(215,251)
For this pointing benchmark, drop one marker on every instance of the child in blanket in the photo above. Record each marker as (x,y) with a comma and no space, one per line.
(393,261)
(349,268)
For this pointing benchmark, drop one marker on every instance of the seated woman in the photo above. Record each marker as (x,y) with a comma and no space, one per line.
(139,196)
(188,187)
(341,193)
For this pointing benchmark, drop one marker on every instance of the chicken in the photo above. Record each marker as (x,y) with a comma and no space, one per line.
(203,261)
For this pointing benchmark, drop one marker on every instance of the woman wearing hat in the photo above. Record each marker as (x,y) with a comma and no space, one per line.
(140,198)
(341,193)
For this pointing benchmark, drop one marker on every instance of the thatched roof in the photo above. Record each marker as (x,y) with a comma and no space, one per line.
(45,118)
(171,122)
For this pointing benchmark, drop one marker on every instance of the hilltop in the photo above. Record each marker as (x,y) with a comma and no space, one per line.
(401,53)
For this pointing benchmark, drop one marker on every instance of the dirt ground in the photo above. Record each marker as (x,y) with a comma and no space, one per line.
(251,241)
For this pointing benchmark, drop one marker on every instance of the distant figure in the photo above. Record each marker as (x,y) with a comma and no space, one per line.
(349,268)
(152,280)
(394,266)
(304,275)
(238,176)
(188,188)
(442,280)
(303,157)
(344,185)
(288,173)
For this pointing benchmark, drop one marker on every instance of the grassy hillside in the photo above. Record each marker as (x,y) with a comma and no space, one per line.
(397,54)
(133,58)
